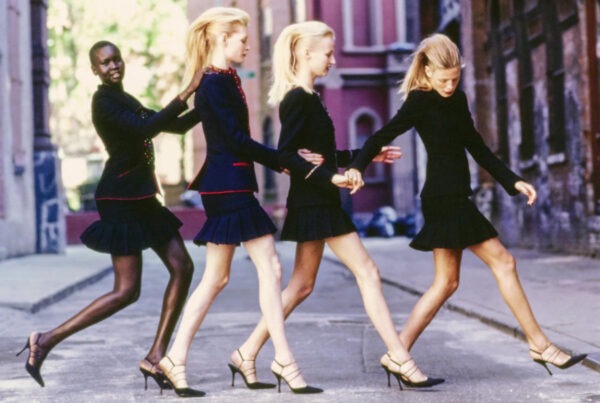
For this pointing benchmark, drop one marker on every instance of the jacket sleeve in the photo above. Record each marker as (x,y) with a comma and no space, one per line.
(484,156)
(405,118)
(105,111)
(219,97)
(294,113)
(183,123)
(345,157)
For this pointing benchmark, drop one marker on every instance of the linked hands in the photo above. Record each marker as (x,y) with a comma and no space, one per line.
(352,178)
(528,190)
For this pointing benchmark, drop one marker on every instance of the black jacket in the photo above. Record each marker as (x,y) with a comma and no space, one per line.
(230,151)
(126,129)
(446,128)
(305,123)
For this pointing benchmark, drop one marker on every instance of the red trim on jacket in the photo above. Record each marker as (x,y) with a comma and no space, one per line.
(222,192)
(127,198)
(241,164)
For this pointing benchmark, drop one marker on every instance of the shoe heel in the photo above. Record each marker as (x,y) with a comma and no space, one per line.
(278,377)
(543,364)
(233,371)
(24,348)
(387,372)
(145,379)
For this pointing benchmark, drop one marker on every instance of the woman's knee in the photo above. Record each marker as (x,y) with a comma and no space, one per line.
(369,274)
(301,290)
(127,296)
(446,286)
(184,268)
(505,265)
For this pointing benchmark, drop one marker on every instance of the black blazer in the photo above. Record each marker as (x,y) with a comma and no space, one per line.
(230,151)
(446,128)
(126,129)
(305,123)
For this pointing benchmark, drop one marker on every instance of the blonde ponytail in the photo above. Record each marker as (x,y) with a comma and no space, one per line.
(284,56)
(437,52)
(203,32)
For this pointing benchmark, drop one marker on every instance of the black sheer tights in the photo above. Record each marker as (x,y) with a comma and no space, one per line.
(128,275)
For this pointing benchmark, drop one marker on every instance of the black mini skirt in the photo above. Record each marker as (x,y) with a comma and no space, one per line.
(126,227)
(451,223)
(315,223)
(233,218)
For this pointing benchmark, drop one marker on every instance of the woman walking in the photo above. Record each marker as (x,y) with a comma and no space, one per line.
(439,111)
(131,218)
(216,40)
(303,52)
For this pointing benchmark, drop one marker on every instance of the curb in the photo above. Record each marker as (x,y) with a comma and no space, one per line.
(60,295)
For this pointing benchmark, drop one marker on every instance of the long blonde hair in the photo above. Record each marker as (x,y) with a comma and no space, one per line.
(284,56)
(204,31)
(437,52)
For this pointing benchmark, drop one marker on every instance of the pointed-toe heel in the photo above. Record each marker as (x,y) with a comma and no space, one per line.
(403,377)
(175,376)
(149,369)
(289,377)
(36,357)
(549,356)
(245,373)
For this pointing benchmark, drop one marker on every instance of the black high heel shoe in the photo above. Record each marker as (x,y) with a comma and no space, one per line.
(148,369)
(552,352)
(250,371)
(403,377)
(175,376)
(290,376)
(36,358)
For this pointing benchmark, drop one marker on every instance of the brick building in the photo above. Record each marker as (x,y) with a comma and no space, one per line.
(532,79)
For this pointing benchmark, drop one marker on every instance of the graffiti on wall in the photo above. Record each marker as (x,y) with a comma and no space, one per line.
(49,216)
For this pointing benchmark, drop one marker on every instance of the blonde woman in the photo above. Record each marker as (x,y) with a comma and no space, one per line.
(439,111)
(303,52)
(217,39)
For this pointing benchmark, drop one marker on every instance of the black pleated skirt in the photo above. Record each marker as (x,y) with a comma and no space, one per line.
(233,218)
(126,227)
(452,223)
(315,223)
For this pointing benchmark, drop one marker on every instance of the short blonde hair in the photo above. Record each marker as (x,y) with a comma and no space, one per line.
(203,32)
(284,55)
(437,52)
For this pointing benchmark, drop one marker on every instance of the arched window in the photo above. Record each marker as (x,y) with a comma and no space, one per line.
(363,123)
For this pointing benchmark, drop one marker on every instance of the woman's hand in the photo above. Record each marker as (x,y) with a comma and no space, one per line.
(313,158)
(192,86)
(528,190)
(355,181)
(388,154)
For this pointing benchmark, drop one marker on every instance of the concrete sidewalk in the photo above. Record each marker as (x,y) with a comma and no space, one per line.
(563,290)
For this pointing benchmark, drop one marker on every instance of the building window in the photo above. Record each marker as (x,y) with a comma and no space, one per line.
(555,77)
(266,32)
(298,10)
(363,123)
(499,70)
(363,25)
(526,90)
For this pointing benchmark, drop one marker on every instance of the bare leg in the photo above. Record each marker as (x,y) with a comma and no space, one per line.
(214,279)
(262,252)
(181,269)
(128,275)
(306,266)
(350,250)
(445,282)
(504,268)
